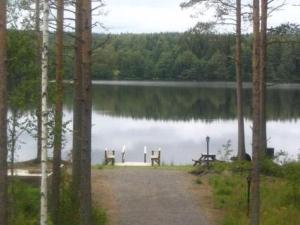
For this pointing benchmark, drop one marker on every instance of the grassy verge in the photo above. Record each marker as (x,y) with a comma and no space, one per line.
(25,203)
(280,192)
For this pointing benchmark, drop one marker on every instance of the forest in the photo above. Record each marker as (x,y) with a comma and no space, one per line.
(193,55)
(37,53)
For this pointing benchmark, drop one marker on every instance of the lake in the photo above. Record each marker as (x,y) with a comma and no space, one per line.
(177,117)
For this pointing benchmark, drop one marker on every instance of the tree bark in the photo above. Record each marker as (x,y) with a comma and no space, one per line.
(263,75)
(239,84)
(77,114)
(58,114)
(255,185)
(86,121)
(44,94)
(38,62)
(3,115)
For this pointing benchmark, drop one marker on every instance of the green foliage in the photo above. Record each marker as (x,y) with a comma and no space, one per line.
(270,168)
(25,199)
(226,152)
(292,175)
(26,202)
(279,195)
(193,55)
(69,211)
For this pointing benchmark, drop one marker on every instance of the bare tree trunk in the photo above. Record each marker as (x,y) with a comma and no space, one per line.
(255,186)
(3,119)
(44,85)
(58,114)
(77,112)
(239,84)
(38,62)
(263,74)
(86,121)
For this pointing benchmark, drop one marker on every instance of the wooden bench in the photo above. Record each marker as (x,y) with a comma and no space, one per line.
(204,158)
(109,157)
(155,157)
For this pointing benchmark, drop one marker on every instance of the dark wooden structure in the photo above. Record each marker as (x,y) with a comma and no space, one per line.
(270,152)
(204,159)
(109,157)
(155,157)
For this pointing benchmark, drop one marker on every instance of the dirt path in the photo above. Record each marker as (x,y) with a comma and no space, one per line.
(135,196)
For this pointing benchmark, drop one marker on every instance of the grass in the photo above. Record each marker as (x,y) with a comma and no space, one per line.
(184,168)
(280,193)
(25,204)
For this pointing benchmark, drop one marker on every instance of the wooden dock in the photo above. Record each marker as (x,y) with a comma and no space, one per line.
(133,164)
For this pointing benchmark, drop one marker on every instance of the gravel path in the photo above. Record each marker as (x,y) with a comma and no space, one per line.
(145,196)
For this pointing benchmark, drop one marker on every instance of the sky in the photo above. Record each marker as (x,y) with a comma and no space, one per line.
(149,16)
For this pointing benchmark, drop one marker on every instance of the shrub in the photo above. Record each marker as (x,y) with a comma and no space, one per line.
(270,168)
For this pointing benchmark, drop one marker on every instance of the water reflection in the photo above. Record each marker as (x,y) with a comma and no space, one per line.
(186,102)
(177,119)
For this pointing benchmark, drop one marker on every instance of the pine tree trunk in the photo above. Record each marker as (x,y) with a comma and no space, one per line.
(239,84)
(255,185)
(263,75)
(58,114)
(44,85)
(77,110)
(38,62)
(86,121)
(3,115)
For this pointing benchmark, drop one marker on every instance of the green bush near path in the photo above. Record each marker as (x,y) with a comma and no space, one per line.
(25,203)
(280,192)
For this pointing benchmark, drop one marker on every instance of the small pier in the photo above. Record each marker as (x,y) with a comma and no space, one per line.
(110,158)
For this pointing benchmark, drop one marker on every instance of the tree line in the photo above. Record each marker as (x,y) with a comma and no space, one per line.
(204,56)
(193,55)
(199,54)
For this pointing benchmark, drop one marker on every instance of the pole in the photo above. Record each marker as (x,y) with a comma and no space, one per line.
(207,151)
(123,154)
(145,154)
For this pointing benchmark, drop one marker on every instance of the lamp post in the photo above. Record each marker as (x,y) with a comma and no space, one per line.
(207,145)
(145,154)
(207,150)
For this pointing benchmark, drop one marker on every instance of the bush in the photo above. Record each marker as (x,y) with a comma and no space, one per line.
(292,175)
(270,168)
(25,203)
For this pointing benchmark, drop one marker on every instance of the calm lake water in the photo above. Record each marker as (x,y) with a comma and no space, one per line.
(177,116)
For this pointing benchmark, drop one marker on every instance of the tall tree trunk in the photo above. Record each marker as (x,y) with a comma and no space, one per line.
(3,115)
(86,120)
(58,114)
(44,85)
(255,192)
(263,74)
(239,84)
(77,112)
(38,62)
(13,139)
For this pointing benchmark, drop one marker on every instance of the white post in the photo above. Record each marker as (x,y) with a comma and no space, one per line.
(145,154)
(123,153)
(44,85)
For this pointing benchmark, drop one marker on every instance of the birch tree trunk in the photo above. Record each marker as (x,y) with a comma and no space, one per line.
(38,62)
(58,114)
(255,185)
(86,120)
(3,115)
(239,84)
(44,85)
(263,75)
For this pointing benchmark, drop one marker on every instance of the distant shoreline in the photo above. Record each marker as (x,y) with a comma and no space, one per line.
(192,84)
